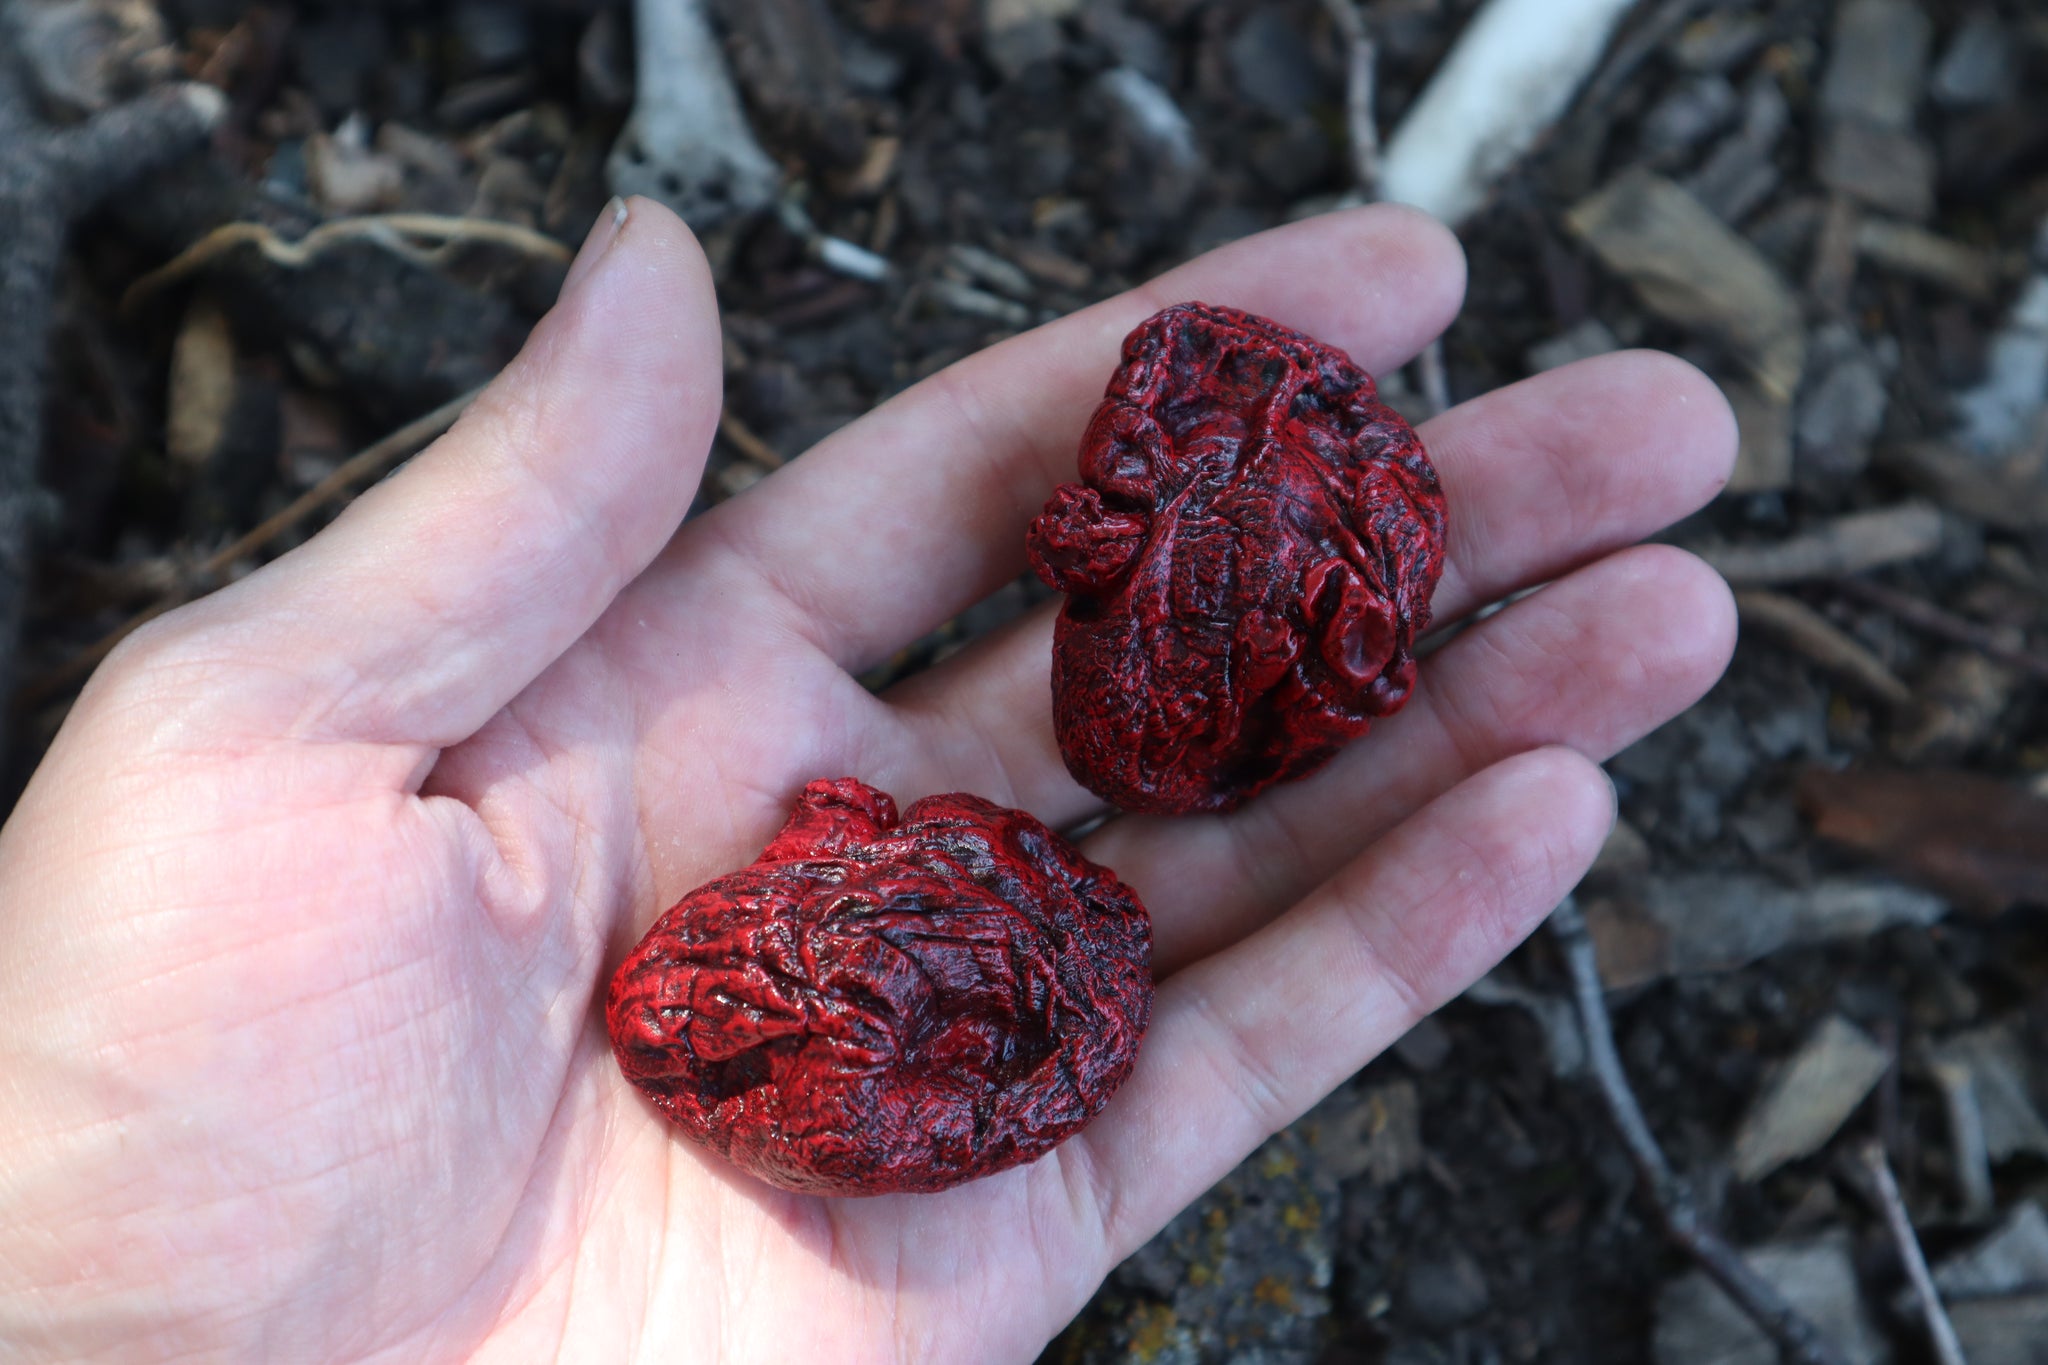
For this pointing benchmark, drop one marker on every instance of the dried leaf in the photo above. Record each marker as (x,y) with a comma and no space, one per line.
(1980,840)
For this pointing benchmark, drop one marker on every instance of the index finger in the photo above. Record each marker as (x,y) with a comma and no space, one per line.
(906,517)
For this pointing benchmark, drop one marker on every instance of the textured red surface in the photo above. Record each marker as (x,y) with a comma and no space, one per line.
(879,1005)
(1248,558)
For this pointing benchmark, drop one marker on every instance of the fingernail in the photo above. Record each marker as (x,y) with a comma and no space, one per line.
(602,233)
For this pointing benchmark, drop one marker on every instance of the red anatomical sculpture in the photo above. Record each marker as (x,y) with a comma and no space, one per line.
(878,1005)
(1247,559)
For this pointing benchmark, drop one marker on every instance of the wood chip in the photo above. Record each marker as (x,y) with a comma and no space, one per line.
(1877,64)
(1889,170)
(1692,269)
(1763,457)
(1998,1066)
(1846,545)
(1810,1098)
(2012,1260)
(1697,1324)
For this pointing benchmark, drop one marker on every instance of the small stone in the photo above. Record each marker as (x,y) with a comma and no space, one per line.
(1688,114)
(1978,68)
(1998,415)
(1424,1047)
(1271,64)
(1150,153)
(1443,1292)
(1809,1099)
(1841,409)
(1877,63)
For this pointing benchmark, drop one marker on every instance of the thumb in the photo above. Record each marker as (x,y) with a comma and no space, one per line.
(435,598)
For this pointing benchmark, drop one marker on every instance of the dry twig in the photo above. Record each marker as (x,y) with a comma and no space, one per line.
(1429,373)
(1846,545)
(1924,615)
(748,442)
(1792,622)
(1884,1191)
(1361,63)
(370,463)
(1797,1338)
(391,231)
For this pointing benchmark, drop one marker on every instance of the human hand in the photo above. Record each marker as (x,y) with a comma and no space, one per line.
(306,908)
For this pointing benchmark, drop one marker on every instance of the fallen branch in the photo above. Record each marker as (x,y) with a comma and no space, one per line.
(1795,1334)
(1884,1191)
(368,464)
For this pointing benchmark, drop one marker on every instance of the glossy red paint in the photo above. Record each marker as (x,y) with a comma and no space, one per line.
(1248,558)
(881,1004)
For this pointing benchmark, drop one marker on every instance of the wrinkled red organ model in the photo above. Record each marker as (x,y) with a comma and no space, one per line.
(1248,558)
(879,1005)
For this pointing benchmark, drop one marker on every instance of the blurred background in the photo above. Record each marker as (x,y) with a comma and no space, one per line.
(1818,927)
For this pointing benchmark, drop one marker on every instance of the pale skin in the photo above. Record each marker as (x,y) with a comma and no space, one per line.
(303,917)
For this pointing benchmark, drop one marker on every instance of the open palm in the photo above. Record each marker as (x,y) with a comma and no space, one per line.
(302,919)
